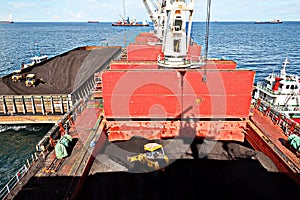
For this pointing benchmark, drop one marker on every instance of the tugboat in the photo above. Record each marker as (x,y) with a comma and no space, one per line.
(275,114)
(280,94)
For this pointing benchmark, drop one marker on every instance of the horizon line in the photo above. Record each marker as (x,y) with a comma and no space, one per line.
(150,21)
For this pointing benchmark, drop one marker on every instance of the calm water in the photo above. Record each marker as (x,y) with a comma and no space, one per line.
(260,47)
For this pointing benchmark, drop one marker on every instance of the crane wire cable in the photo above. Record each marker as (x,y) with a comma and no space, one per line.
(207,38)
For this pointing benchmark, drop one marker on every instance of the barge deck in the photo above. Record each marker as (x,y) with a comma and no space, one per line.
(267,137)
(53,178)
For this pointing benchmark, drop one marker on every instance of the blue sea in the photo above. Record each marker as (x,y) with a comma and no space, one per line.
(259,47)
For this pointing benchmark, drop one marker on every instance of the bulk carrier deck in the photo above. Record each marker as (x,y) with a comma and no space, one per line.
(198,110)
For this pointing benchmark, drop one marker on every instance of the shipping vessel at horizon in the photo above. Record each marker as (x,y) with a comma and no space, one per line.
(93,21)
(127,21)
(6,21)
(274,21)
(158,112)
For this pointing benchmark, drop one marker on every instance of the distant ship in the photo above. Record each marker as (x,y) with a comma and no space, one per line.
(128,22)
(6,22)
(93,21)
(274,21)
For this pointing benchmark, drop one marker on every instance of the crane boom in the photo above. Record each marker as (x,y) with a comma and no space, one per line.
(149,10)
(156,11)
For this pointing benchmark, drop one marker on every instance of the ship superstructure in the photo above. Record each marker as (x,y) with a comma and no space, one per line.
(281,93)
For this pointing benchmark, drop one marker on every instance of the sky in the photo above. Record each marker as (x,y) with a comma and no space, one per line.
(110,10)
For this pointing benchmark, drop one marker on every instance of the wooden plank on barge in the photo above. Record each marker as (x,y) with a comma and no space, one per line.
(29,119)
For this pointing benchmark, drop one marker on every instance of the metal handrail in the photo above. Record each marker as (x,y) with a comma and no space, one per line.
(18,176)
(286,125)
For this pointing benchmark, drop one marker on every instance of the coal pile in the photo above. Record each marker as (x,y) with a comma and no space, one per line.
(61,74)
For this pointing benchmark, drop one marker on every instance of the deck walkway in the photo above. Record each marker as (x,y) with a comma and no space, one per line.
(269,138)
(87,128)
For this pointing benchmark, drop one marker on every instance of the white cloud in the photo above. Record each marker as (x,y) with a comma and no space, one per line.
(20,5)
(56,18)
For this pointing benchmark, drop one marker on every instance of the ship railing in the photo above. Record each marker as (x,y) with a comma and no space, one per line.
(262,86)
(287,125)
(188,60)
(18,176)
(172,1)
(42,146)
(153,41)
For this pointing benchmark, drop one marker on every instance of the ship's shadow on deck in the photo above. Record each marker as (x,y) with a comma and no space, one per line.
(183,179)
(51,187)
(193,179)
(71,146)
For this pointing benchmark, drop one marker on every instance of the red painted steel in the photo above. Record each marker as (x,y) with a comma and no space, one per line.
(296,120)
(169,93)
(221,64)
(145,40)
(194,50)
(219,96)
(138,94)
(146,34)
(217,130)
(215,64)
(154,95)
(117,65)
(143,52)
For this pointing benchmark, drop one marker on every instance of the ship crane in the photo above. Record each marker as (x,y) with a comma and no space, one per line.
(156,11)
(152,14)
(177,34)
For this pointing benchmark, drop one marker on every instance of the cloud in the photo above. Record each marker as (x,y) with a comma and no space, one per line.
(20,5)
(56,17)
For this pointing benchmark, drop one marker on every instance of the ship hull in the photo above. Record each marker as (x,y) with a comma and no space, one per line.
(6,22)
(268,22)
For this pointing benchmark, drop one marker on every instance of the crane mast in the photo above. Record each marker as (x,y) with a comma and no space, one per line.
(172,24)
(177,29)
(157,13)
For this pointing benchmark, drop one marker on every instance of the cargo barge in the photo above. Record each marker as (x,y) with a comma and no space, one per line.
(162,90)
(60,82)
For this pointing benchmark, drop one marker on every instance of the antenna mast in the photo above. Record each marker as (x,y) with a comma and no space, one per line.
(124,10)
